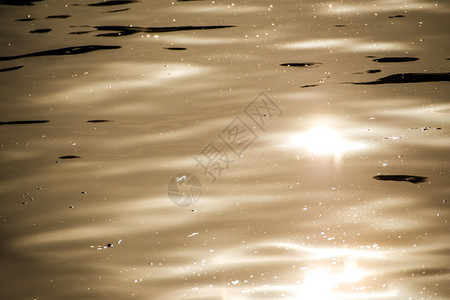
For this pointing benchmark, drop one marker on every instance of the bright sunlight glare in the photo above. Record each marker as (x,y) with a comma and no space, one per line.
(324,141)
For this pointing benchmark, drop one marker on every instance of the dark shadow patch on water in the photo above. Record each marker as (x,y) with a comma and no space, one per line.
(98,121)
(115,11)
(43,30)
(25,20)
(394,59)
(18,2)
(24,122)
(340,25)
(63,51)
(409,78)
(302,65)
(396,16)
(308,86)
(373,71)
(408,178)
(58,17)
(175,48)
(127,30)
(113,2)
(69,157)
(11,69)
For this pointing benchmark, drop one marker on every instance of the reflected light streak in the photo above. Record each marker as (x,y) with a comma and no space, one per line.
(324,141)
(348,44)
(369,251)
(324,284)
(383,6)
(319,43)
(321,279)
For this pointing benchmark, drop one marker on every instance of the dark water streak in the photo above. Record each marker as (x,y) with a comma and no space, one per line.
(43,30)
(408,78)
(19,2)
(308,85)
(408,178)
(394,59)
(58,17)
(302,65)
(127,30)
(81,32)
(25,20)
(98,121)
(116,10)
(11,69)
(62,51)
(113,2)
(175,48)
(24,122)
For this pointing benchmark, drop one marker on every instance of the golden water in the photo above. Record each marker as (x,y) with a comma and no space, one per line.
(295,214)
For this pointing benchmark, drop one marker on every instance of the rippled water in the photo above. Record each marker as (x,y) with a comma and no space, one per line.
(317,131)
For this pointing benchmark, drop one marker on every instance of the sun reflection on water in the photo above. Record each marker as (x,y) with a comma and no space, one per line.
(326,274)
(324,141)
(322,283)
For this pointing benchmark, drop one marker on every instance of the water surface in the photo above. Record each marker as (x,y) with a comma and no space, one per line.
(285,111)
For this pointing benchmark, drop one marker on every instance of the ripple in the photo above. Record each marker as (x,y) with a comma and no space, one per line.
(396,16)
(308,85)
(58,17)
(24,122)
(98,121)
(62,51)
(395,59)
(175,48)
(408,178)
(409,78)
(113,2)
(302,65)
(25,20)
(43,30)
(11,69)
(117,10)
(127,30)
(18,2)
